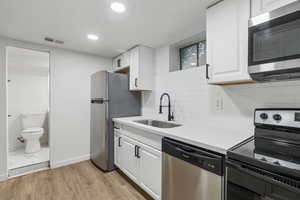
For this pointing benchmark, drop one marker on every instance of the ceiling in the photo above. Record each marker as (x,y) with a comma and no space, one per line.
(148,22)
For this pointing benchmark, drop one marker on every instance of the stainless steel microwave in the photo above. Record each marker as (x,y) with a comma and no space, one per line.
(274,44)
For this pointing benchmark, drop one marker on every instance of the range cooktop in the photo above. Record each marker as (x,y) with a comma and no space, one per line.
(276,142)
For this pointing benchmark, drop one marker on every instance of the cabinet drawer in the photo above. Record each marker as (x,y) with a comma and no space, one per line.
(144,137)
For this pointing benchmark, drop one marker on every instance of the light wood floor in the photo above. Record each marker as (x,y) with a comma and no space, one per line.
(80,181)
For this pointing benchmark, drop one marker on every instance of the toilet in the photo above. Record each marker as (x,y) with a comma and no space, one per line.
(32,131)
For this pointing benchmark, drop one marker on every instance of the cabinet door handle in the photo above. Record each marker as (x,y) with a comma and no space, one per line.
(135,82)
(207,76)
(119,62)
(119,141)
(138,151)
(135,151)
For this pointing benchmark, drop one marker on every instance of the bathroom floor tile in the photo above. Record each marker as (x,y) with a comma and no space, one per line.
(19,158)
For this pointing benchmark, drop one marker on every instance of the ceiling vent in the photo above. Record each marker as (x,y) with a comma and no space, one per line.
(52,40)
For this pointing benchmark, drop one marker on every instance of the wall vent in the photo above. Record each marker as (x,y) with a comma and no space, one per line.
(52,40)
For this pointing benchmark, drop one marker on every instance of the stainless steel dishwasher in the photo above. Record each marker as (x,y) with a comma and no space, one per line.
(191,173)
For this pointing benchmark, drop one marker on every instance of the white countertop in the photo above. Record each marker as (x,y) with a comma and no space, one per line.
(212,137)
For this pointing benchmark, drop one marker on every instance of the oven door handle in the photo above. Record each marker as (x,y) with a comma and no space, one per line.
(281,140)
(259,176)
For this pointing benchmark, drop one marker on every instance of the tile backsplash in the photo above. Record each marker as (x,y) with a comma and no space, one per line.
(194,101)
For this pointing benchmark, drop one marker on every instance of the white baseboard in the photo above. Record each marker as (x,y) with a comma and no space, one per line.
(70,161)
(12,173)
(3,177)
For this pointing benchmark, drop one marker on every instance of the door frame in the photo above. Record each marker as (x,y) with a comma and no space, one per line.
(50,89)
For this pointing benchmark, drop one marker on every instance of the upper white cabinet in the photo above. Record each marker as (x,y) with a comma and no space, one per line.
(141,68)
(263,6)
(126,59)
(227,42)
(117,63)
(121,62)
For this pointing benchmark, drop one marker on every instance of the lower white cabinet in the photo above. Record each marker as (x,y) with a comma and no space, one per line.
(117,148)
(129,160)
(140,162)
(150,171)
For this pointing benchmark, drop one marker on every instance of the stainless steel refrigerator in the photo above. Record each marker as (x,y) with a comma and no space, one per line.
(110,98)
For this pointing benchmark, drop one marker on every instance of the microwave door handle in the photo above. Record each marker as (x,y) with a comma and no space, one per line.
(256,175)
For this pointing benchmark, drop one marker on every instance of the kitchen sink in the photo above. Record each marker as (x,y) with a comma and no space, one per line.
(157,123)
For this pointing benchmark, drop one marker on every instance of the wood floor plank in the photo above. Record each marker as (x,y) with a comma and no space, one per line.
(81,181)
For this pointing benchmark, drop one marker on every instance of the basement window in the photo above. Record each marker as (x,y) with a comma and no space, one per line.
(193,55)
(188,53)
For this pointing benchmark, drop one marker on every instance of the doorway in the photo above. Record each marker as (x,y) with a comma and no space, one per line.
(28,97)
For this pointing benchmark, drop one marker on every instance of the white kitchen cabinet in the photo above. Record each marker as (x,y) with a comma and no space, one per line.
(117,148)
(141,68)
(117,63)
(227,42)
(114,64)
(150,171)
(121,62)
(126,59)
(129,160)
(140,162)
(263,6)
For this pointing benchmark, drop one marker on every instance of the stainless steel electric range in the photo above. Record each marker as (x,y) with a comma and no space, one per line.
(267,166)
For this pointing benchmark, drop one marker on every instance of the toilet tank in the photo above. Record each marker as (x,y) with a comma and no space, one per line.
(33,120)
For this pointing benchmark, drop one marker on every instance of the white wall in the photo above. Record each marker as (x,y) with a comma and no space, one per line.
(194,101)
(27,94)
(70,108)
(70,112)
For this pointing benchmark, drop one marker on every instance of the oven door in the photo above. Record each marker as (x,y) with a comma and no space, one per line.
(274,42)
(249,183)
(236,192)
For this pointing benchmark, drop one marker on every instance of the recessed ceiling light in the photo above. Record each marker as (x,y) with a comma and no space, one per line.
(92,37)
(118,7)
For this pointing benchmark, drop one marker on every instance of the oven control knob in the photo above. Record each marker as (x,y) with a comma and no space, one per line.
(264,116)
(277,117)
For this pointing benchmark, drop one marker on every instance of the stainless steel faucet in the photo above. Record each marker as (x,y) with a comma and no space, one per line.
(170,115)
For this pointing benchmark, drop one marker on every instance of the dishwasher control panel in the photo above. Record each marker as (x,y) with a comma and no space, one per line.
(202,158)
